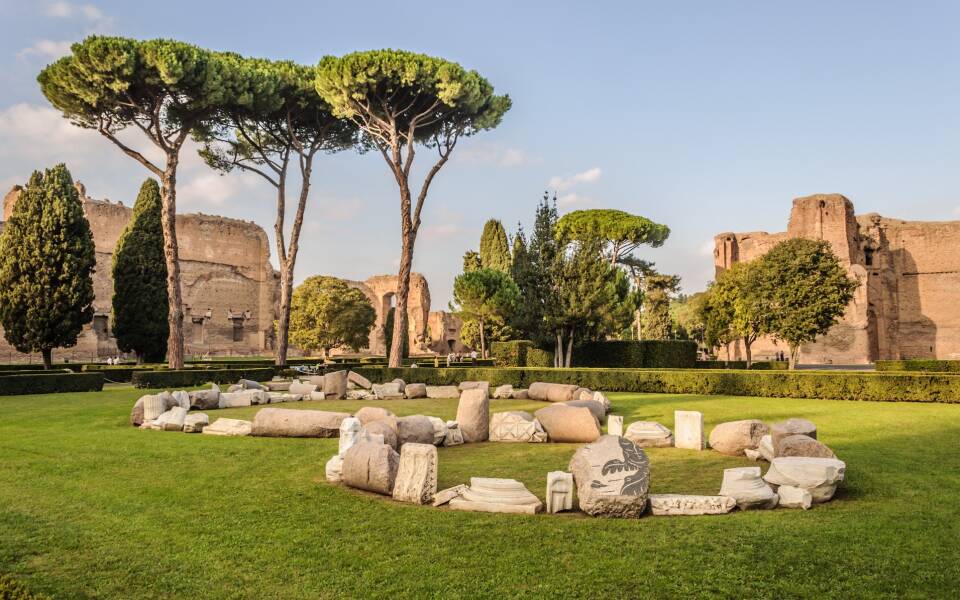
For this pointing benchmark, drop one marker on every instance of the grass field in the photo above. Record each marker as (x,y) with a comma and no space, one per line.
(93,508)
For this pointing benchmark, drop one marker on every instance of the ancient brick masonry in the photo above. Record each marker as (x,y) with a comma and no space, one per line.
(907,303)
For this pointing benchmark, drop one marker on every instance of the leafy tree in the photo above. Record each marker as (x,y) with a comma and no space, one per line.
(494,330)
(164,89)
(140,281)
(585,302)
(471,261)
(47,259)
(687,316)
(621,232)
(656,305)
(400,100)
(717,316)
(532,267)
(807,290)
(327,313)
(494,247)
(284,128)
(483,296)
(747,303)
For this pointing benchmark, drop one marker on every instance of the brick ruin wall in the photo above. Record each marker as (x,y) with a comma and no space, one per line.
(907,303)
(229,286)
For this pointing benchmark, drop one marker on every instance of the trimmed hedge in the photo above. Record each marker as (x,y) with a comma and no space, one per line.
(50,383)
(764,365)
(34,372)
(641,354)
(923,365)
(196,377)
(827,385)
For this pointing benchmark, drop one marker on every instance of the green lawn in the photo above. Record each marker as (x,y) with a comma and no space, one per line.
(90,507)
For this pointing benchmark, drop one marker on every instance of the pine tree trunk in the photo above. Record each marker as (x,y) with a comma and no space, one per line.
(283,318)
(794,350)
(558,353)
(746,349)
(403,292)
(569,351)
(168,221)
(483,341)
(47,354)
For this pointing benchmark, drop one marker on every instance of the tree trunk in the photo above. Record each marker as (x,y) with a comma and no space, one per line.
(483,341)
(168,222)
(558,353)
(746,350)
(566,362)
(794,350)
(139,358)
(403,292)
(283,318)
(47,358)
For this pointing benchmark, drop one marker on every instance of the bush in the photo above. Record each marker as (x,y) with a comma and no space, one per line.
(120,373)
(11,589)
(50,383)
(924,365)
(642,354)
(828,385)
(520,353)
(197,377)
(766,365)
(34,372)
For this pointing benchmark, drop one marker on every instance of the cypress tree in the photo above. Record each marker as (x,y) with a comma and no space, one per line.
(140,281)
(532,271)
(494,247)
(47,260)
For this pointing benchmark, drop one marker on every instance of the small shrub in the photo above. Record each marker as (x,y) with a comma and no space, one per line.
(50,383)
(923,365)
(196,377)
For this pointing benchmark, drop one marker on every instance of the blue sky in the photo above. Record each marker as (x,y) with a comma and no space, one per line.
(705,116)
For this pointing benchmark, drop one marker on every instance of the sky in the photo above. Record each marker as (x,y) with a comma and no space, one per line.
(704,116)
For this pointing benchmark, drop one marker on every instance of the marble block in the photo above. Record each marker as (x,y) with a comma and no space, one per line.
(559,491)
(349,434)
(682,504)
(744,485)
(416,480)
(649,434)
(615,425)
(688,429)
(497,495)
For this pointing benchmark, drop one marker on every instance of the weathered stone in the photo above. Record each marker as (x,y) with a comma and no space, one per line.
(475,385)
(349,434)
(516,426)
(371,467)
(473,415)
(596,409)
(359,395)
(136,414)
(368,414)
(802,445)
(783,429)
(205,399)
(794,497)
(766,448)
(602,399)
(359,380)
(681,504)
(302,389)
(236,387)
(612,476)
(583,394)
(688,429)
(244,398)
(151,425)
(521,394)
(615,425)
(335,385)
(316,380)
(552,392)
(195,422)
(439,430)
(819,476)
(752,454)
(385,428)
(444,496)
(251,385)
(416,479)
(744,485)
(318,395)
(228,427)
(387,391)
(733,437)
(442,391)
(415,390)
(182,399)
(498,496)
(453,437)
(649,434)
(414,429)
(278,386)
(559,491)
(503,392)
(153,407)
(570,424)
(172,420)
(287,422)
(168,400)
(334,469)
(280,397)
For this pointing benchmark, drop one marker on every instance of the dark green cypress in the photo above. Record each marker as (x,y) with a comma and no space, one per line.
(140,281)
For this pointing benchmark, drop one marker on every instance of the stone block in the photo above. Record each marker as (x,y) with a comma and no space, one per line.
(475,385)
(335,385)
(516,426)
(287,422)
(228,427)
(520,394)
(612,476)
(649,434)
(733,437)
(372,467)
(497,496)
(387,391)
(416,479)
(473,415)
(444,496)
(349,434)
(744,485)
(503,392)
(195,422)
(615,425)
(453,437)
(596,409)
(368,414)
(385,430)
(780,430)
(819,476)
(304,390)
(568,424)
(172,420)
(153,407)
(415,429)
(688,429)
(803,445)
(359,380)
(552,392)
(681,504)
(559,491)
(415,390)
(794,497)
(333,470)
(442,391)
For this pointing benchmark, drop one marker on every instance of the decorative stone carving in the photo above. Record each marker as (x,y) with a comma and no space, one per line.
(228,427)
(372,467)
(334,469)
(688,429)
(416,480)
(819,476)
(570,424)
(415,390)
(453,437)
(442,391)
(794,497)
(444,496)
(286,422)
(153,407)
(552,392)
(516,426)
(473,415)
(498,496)
(387,391)
(503,392)
(612,476)
(195,422)
(359,380)
(733,437)
(803,445)
(349,434)
(559,491)
(649,434)
(372,413)
(780,430)
(744,485)
(335,385)
(615,425)
(680,504)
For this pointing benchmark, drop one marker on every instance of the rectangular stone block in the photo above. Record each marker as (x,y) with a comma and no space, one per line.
(417,474)
(615,425)
(688,429)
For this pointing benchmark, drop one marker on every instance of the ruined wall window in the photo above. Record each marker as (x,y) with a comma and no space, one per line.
(237,329)
(868,257)
(197,329)
(101,326)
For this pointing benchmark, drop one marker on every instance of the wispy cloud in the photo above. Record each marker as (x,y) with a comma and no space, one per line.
(48,49)
(495,154)
(69,10)
(32,131)
(573,199)
(564,183)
